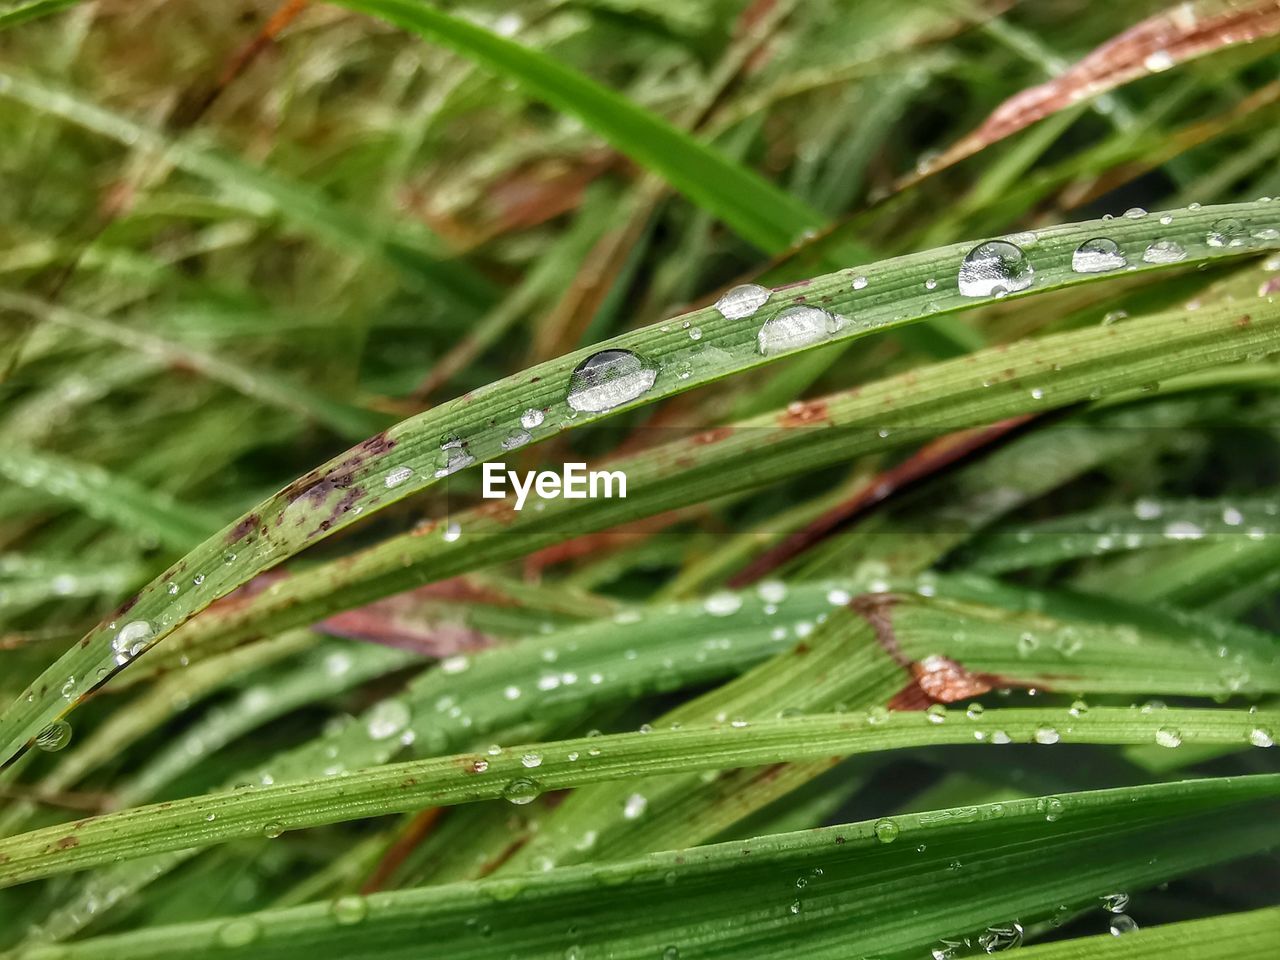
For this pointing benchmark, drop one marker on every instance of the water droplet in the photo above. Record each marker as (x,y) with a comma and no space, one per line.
(931,284)
(608,379)
(531,760)
(452,531)
(54,737)
(722,603)
(520,791)
(671,953)
(531,418)
(886,831)
(1164,251)
(1261,738)
(131,640)
(743,300)
(1078,708)
(1135,213)
(999,736)
(1115,902)
(1098,256)
(1047,735)
(386,719)
(349,910)
(995,268)
(635,806)
(1052,808)
(239,932)
(1158,62)
(795,327)
(1168,737)
(397,476)
(1121,924)
(1227,232)
(517,439)
(272,829)
(936,713)
(1001,936)
(859,283)
(973,711)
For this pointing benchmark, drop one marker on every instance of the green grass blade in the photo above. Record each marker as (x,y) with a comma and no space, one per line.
(32,10)
(524,772)
(480,426)
(788,895)
(754,208)
(1252,934)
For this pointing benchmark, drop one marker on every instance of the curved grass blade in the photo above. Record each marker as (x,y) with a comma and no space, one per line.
(113,499)
(758,211)
(522,773)
(1146,524)
(420,451)
(789,895)
(1073,368)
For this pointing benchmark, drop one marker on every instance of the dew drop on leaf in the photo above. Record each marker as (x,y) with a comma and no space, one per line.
(54,737)
(520,791)
(1164,251)
(1115,902)
(1098,255)
(795,327)
(995,268)
(743,300)
(886,831)
(239,932)
(1121,924)
(350,909)
(1227,232)
(608,379)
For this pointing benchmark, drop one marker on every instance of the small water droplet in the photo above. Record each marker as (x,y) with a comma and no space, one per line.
(272,829)
(1098,255)
(635,806)
(1115,902)
(386,719)
(1135,213)
(608,379)
(743,300)
(452,531)
(531,418)
(1121,924)
(1261,738)
(239,932)
(722,603)
(520,791)
(1047,735)
(1168,737)
(859,283)
(1001,936)
(1164,251)
(349,910)
(936,713)
(531,760)
(795,327)
(1052,808)
(995,268)
(886,831)
(1159,61)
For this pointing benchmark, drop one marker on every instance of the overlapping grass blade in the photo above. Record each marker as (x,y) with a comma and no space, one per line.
(1019,861)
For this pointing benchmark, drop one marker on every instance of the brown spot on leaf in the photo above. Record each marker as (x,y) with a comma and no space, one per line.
(714,435)
(243,528)
(66,843)
(801,413)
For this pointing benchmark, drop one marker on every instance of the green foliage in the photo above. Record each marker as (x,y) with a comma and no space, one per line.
(939,616)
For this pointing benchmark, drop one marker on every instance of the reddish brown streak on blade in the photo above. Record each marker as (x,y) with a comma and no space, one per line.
(930,459)
(418,829)
(1174,36)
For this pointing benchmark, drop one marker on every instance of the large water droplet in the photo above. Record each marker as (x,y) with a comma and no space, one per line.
(531,418)
(995,268)
(1227,232)
(454,455)
(1097,256)
(795,327)
(1164,251)
(54,737)
(743,300)
(131,640)
(607,379)
(635,806)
